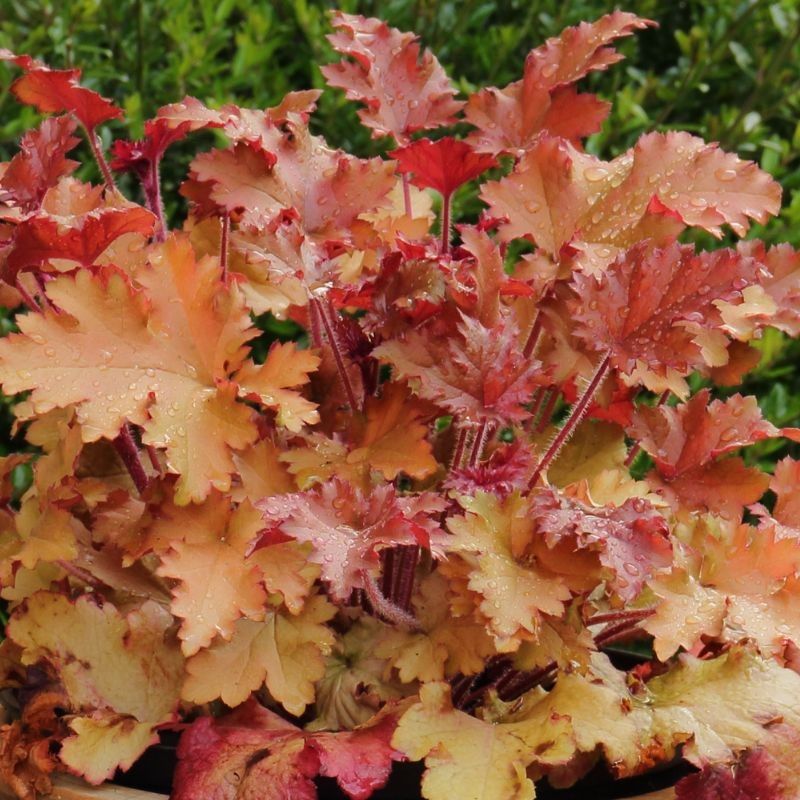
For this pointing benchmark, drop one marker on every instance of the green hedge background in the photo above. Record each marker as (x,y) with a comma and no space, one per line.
(727,70)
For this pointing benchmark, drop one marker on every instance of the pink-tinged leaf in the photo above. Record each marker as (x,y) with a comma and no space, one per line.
(443,165)
(55,91)
(769,771)
(632,540)
(580,50)
(655,312)
(781,282)
(255,126)
(327,188)
(480,375)
(39,165)
(402,90)
(348,527)
(253,753)
(685,443)
(784,483)
(40,240)
(24,61)
(540,199)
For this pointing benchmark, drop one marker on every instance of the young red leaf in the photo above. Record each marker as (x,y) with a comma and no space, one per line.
(632,540)
(655,311)
(253,752)
(402,91)
(55,91)
(139,156)
(39,165)
(348,528)
(443,165)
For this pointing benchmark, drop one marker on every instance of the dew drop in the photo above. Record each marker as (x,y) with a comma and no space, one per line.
(594,174)
(726,175)
(532,207)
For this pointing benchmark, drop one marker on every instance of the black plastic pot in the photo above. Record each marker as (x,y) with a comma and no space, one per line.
(153,772)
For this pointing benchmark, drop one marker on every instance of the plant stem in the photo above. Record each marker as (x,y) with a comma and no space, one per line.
(458,452)
(630,615)
(337,353)
(477,443)
(533,337)
(409,211)
(636,449)
(446,223)
(576,414)
(384,607)
(225,225)
(407,557)
(79,573)
(97,152)
(155,202)
(129,453)
(547,411)
(27,297)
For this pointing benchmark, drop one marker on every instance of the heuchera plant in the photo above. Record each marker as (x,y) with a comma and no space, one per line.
(417,537)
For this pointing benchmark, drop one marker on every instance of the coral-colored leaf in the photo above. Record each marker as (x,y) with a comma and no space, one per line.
(510,119)
(686,441)
(654,310)
(347,528)
(58,91)
(443,165)
(558,195)
(403,92)
(270,382)
(393,437)
(167,367)
(253,752)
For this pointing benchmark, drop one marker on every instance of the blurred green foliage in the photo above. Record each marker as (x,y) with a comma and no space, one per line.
(727,70)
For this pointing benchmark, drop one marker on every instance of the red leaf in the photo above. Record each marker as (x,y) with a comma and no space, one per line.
(39,164)
(442,165)
(632,540)
(403,92)
(139,156)
(56,91)
(39,239)
(655,310)
(347,527)
(253,753)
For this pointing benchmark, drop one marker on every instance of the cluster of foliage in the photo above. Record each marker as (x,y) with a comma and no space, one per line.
(396,543)
(727,71)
